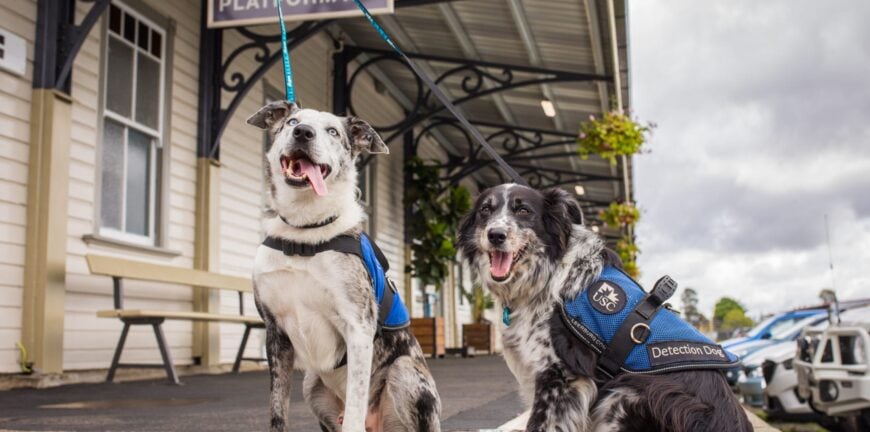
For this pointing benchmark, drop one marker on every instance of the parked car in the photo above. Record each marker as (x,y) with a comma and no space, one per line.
(833,369)
(785,326)
(766,328)
(750,379)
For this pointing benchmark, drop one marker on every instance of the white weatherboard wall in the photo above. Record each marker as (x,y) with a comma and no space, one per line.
(19,17)
(89,341)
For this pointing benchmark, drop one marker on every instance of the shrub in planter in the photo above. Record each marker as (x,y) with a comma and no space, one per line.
(435,216)
(480,301)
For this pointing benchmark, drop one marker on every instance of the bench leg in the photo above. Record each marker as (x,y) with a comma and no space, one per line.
(118,350)
(164,352)
(242,346)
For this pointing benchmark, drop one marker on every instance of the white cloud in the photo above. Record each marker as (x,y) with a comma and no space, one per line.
(762,110)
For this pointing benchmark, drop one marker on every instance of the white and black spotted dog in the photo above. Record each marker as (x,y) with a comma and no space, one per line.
(530,250)
(320,311)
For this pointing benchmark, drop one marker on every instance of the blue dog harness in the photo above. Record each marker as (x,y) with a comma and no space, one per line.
(392,314)
(633,333)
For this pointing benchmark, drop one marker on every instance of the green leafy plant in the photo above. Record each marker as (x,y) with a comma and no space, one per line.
(618,215)
(612,135)
(480,301)
(435,216)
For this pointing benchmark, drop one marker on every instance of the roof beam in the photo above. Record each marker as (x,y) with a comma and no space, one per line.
(398,33)
(597,50)
(461,34)
(388,83)
(535,59)
(592,19)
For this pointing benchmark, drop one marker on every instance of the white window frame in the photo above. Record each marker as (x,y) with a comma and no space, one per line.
(158,135)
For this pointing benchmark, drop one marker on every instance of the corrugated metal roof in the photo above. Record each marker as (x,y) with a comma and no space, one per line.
(561,35)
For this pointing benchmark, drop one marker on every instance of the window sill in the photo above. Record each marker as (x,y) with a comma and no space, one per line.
(130,246)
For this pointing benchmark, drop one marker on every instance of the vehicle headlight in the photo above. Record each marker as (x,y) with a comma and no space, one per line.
(828,391)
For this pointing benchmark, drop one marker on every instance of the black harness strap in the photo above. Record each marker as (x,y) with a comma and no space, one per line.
(635,329)
(343,243)
(350,245)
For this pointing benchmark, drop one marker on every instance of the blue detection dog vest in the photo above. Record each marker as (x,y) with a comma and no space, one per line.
(634,332)
(392,314)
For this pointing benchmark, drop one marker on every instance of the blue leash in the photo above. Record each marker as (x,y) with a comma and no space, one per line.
(291,93)
(288,72)
(444,99)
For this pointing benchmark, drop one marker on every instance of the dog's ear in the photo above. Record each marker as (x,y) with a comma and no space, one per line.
(561,213)
(363,137)
(272,113)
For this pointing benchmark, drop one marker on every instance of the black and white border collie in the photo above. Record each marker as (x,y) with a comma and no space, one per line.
(530,249)
(320,309)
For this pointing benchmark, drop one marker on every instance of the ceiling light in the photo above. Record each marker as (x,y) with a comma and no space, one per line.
(549,109)
(579,190)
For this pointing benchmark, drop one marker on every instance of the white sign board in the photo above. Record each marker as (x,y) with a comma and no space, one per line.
(13,53)
(236,13)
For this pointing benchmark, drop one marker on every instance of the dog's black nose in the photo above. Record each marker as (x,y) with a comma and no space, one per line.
(496,236)
(303,132)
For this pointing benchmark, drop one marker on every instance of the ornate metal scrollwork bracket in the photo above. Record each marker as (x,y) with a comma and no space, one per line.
(228,79)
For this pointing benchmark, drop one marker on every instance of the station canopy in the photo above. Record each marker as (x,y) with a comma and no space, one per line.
(499,60)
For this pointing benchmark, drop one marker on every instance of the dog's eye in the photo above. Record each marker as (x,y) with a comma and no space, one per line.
(486,209)
(332,131)
(522,211)
(293,122)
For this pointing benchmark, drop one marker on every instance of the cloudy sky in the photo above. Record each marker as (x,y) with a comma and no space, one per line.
(763,113)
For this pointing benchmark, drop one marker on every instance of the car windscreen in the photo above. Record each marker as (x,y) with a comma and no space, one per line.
(793,330)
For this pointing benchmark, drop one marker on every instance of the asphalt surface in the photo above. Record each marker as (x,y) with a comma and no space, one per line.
(476,393)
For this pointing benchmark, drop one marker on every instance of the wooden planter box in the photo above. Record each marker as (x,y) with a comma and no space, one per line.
(479,336)
(430,333)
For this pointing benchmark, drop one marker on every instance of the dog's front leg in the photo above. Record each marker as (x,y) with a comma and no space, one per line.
(561,403)
(360,347)
(280,353)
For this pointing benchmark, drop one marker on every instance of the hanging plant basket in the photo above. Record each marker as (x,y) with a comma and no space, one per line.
(627,251)
(618,215)
(611,136)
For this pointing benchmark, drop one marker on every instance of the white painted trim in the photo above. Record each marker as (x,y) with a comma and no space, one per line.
(157,136)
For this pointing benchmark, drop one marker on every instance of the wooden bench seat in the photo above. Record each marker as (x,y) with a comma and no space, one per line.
(178,315)
(119,269)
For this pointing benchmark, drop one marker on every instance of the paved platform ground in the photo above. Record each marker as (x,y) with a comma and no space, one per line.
(477,393)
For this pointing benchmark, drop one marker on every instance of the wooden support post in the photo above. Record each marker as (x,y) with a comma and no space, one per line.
(206,335)
(46,236)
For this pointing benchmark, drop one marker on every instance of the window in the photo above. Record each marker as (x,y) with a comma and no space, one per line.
(131,152)
(365,183)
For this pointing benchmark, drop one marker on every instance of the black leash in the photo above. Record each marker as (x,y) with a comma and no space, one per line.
(444,100)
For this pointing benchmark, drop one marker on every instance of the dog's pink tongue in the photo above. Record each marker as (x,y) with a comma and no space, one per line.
(500,263)
(314,177)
